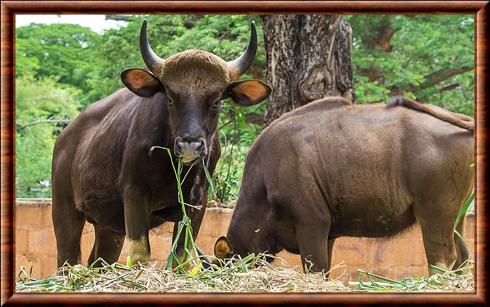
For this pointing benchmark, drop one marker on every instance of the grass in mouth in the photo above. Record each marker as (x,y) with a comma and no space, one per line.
(190,261)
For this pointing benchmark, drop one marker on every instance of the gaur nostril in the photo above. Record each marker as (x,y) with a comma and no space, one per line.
(196,147)
(181,145)
(178,147)
(199,147)
(189,147)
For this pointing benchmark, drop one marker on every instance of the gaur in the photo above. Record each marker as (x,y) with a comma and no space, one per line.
(332,168)
(102,171)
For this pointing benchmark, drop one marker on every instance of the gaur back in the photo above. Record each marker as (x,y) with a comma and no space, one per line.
(331,169)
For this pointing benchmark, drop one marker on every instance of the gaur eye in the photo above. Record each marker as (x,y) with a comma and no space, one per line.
(216,104)
(170,102)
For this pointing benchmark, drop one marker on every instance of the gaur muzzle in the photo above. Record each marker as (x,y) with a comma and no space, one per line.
(189,149)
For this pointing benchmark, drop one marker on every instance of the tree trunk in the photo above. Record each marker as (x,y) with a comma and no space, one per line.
(308,57)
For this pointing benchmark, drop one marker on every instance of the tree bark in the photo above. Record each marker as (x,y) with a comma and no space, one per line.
(308,57)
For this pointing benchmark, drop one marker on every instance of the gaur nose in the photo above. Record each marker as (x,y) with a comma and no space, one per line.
(189,148)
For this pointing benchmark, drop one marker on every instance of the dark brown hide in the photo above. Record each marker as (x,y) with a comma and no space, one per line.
(102,168)
(102,161)
(332,169)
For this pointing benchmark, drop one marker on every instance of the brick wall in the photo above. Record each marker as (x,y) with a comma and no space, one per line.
(396,258)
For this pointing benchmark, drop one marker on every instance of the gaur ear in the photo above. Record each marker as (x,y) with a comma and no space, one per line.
(247,92)
(141,82)
(222,248)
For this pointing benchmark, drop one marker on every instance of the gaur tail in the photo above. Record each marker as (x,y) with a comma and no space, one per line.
(456,119)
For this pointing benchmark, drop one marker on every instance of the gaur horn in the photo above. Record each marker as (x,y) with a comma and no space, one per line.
(240,65)
(152,61)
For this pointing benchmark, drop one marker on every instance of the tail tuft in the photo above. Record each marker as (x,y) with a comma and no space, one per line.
(456,119)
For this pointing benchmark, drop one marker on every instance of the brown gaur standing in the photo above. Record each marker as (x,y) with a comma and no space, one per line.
(102,171)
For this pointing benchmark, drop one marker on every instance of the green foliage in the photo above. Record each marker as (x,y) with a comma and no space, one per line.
(464,209)
(61,68)
(62,51)
(420,46)
(38,101)
(236,137)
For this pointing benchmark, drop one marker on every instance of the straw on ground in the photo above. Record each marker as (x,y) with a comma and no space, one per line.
(250,274)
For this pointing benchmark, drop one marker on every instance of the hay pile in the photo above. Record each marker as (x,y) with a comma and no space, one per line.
(250,274)
(445,281)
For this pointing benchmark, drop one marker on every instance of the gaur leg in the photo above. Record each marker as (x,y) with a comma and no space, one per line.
(68,224)
(309,211)
(330,253)
(440,178)
(137,221)
(462,250)
(197,216)
(437,223)
(313,244)
(196,220)
(439,246)
(107,245)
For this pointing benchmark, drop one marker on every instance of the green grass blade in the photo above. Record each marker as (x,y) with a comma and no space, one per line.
(464,209)
(189,244)
(386,279)
(438,268)
(212,187)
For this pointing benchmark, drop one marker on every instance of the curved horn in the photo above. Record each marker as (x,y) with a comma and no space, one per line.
(151,60)
(240,65)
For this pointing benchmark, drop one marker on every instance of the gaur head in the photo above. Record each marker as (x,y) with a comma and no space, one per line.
(243,240)
(193,83)
(224,250)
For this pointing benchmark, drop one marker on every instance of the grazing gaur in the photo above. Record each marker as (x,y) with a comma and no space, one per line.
(102,171)
(331,169)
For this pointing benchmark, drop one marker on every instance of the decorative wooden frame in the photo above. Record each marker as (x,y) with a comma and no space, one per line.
(10,8)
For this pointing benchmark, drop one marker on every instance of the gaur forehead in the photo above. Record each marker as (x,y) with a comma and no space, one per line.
(195,72)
